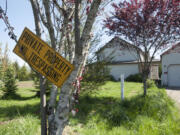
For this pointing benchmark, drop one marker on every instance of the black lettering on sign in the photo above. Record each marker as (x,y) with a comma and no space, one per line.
(32,42)
(37,46)
(50,72)
(49,55)
(40,47)
(31,56)
(28,39)
(25,36)
(41,63)
(57,61)
(36,61)
(52,59)
(34,45)
(61,66)
(67,70)
(64,68)
(22,49)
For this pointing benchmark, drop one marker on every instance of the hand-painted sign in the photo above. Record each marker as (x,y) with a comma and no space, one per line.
(43,58)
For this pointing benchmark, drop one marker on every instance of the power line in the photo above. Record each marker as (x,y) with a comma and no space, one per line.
(4,17)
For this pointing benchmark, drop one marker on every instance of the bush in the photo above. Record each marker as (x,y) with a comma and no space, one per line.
(150,83)
(96,72)
(9,82)
(134,78)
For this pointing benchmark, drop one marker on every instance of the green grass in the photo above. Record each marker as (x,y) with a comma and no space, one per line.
(19,115)
(101,112)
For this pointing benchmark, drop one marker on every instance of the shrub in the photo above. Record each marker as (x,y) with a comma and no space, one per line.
(96,72)
(150,83)
(134,78)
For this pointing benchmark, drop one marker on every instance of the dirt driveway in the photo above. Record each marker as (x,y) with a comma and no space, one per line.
(175,95)
(25,84)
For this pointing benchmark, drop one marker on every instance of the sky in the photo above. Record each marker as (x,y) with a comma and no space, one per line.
(20,15)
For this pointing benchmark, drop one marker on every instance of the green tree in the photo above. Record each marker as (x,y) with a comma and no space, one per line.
(23,74)
(151,25)
(4,60)
(9,81)
(17,69)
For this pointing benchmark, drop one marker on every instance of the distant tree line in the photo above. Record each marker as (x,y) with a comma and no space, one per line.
(10,73)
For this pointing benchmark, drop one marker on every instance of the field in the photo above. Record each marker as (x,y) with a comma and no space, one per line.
(101,112)
(20,116)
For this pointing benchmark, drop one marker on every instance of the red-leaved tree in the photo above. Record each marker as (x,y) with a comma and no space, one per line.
(151,25)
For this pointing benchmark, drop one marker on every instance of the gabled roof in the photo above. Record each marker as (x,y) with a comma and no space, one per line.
(172,48)
(122,42)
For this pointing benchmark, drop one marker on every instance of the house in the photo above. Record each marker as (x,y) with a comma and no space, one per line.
(123,58)
(171,67)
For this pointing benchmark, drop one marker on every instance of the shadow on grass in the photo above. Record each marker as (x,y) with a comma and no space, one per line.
(16,96)
(14,111)
(115,112)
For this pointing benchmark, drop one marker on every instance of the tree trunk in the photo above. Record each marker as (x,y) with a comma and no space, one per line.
(43,106)
(63,107)
(51,108)
(60,118)
(145,85)
(42,79)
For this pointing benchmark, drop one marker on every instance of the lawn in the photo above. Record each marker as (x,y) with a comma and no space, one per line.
(101,112)
(20,116)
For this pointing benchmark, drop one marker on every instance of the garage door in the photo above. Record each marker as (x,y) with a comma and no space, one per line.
(174,76)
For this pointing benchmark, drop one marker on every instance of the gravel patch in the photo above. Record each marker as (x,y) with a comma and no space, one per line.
(175,95)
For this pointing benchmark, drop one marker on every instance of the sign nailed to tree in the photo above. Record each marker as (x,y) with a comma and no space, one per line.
(43,58)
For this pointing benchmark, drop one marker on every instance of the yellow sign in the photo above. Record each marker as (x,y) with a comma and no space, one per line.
(43,58)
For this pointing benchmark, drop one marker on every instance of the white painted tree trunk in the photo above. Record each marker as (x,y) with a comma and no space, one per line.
(62,111)
(58,118)
(63,108)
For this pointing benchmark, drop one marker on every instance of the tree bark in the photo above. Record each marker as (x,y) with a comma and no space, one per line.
(59,119)
(42,79)
(51,109)
(43,106)
(145,84)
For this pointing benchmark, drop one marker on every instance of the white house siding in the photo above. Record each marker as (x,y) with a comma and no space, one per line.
(171,69)
(126,69)
(116,54)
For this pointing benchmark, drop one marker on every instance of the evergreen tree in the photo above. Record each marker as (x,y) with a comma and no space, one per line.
(23,74)
(9,81)
(17,69)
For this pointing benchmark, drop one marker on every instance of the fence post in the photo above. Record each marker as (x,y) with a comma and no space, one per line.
(122,87)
